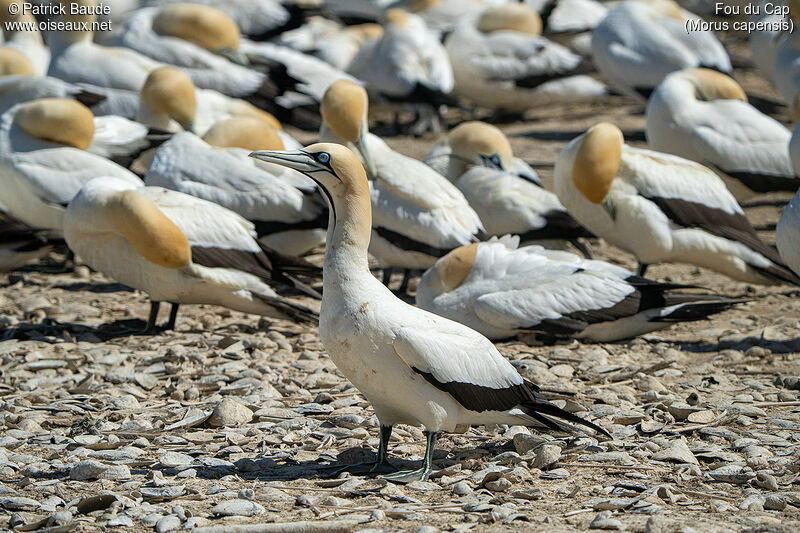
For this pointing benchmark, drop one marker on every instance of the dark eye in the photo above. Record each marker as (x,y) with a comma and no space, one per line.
(323,157)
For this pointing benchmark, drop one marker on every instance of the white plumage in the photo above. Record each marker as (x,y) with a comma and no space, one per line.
(287,218)
(638,43)
(509,66)
(43,162)
(176,248)
(661,208)
(503,291)
(413,366)
(704,116)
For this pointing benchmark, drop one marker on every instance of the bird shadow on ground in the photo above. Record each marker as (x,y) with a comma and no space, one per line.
(71,331)
(566,136)
(742,344)
(97,288)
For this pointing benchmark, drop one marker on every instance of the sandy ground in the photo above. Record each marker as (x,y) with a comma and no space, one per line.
(75,387)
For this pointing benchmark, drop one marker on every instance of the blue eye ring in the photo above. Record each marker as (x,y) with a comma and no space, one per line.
(323,157)
(496,159)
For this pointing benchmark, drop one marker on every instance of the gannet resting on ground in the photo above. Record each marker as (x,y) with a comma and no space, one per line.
(288,219)
(77,59)
(704,116)
(413,366)
(503,190)
(503,291)
(43,162)
(330,41)
(661,208)
(418,215)
(21,33)
(169,101)
(639,42)
(20,244)
(180,249)
(17,89)
(501,61)
(299,79)
(408,65)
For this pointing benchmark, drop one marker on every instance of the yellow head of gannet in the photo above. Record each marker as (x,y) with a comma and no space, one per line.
(169,92)
(204,26)
(58,120)
(14,63)
(513,17)
(344,111)
(450,271)
(80,15)
(712,85)
(488,142)
(597,161)
(395,17)
(249,133)
(339,174)
(154,236)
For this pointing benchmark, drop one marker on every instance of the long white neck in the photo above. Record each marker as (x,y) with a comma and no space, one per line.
(349,229)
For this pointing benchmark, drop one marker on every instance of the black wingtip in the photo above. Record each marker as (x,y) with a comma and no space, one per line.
(536,407)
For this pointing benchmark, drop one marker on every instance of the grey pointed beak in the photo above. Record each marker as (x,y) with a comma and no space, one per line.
(296,159)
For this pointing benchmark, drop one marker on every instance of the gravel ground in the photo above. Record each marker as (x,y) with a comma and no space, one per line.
(235,420)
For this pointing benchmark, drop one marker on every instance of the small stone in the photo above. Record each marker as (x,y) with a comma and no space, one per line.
(87,470)
(120,521)
(377,515)
(238,507)
(462,488)
(678,452)
(524,443)
(230,413)
(168,523)
(774,502)
(732,473)
(174,459)
(18,503)
(426,529)
(116,473)
(498,485)
(704,416)
(766,481)
(246,494)
(754,502)
(528,494)
(126,402)
(546,456)
(603,520)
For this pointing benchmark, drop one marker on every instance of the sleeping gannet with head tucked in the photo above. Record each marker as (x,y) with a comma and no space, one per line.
(641,41)
(44,162)
(413,366)
(503,190)
(704,116)
(407,65)
(501,61)
(287,214)
(661,208)
(180,249)
(417,214)
(330,41)
(21,33)
(503,291)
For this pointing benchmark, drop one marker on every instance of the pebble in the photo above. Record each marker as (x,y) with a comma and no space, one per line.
(173,459)
(120,521)
(87,470)
(169,523)
(18,503)
(230,413)
(462,488)
(678,452)
(238,507)
(603,520)
(546,456)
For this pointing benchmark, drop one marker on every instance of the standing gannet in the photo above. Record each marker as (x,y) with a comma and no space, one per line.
(661,208)
(503,190)
(501,61)
(704,116)
(178,249)
(418,215)
(21,33)
(502,291)
(408,65)
(641,41)
(287,217)
(413,366)
(44,162)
